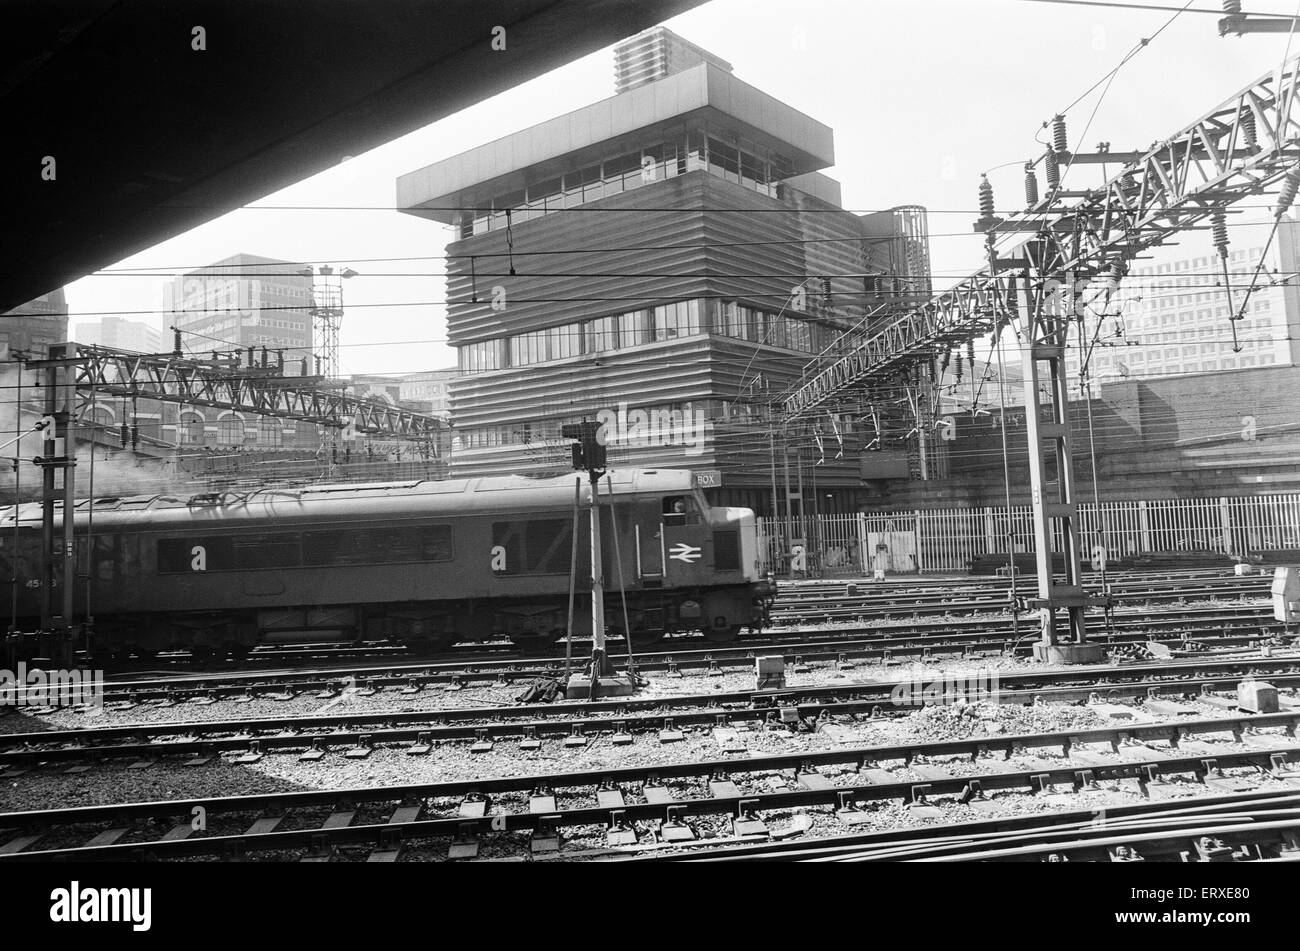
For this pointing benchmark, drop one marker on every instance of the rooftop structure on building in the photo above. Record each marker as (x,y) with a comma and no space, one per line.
(708,261)
(655,53)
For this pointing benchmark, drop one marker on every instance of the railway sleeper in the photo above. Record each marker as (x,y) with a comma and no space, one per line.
(609,795)
(314,753)
(746,821)
(389,848)
(473,806)
(362,749)
(620,833)
(911,793)
(674,827)
(465,844)
(546,835)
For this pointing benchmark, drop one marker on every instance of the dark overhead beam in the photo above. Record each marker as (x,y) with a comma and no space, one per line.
(151,138)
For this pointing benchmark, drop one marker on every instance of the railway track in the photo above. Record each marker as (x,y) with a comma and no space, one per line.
(676,802)
(922,639)
(355,734)
(908,586)
(1227,617)
(1150,831)
(799,603)
(1090,577)
(828,607)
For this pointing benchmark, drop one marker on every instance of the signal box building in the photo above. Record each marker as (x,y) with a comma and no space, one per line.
(666,261)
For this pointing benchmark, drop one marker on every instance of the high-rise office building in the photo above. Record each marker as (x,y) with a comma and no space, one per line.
(1171,314)
(245,301)
(241,302)
(666,262)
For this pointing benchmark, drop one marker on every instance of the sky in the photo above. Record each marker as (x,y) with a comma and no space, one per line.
(923,96)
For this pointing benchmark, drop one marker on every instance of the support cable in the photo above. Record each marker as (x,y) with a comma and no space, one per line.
(1006,478)
(573,579)
(622,584)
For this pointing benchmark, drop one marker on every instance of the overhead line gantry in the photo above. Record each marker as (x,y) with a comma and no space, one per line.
(1074,241)
(74,371)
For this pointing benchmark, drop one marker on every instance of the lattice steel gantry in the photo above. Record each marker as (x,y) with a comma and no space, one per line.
(326,318)
(1245,146)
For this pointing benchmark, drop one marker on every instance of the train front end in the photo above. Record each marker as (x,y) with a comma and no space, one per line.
(736,553)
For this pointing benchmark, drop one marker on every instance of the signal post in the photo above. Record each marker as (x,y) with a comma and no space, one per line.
(600,679)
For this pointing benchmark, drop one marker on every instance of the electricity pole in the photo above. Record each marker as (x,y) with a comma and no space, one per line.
(58,453)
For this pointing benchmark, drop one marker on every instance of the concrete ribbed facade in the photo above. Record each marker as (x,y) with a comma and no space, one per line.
(670,281)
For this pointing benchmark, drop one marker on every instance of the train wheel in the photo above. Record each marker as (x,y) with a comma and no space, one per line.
(722,635)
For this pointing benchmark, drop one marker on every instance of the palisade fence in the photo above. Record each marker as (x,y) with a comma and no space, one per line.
(946,540)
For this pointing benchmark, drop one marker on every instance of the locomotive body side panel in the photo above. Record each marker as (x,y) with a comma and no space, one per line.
(449,560)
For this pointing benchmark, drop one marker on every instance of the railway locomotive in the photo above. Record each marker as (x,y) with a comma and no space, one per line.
(420,563)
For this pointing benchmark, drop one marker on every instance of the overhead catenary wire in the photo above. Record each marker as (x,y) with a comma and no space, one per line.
(191,270)
(374,305)
(1286,195)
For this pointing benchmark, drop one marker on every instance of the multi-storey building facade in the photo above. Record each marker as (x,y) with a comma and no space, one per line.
(241,302)
(119,334)
(1172,313)
(424,391)
(666,262)
(245,301)
(428,390)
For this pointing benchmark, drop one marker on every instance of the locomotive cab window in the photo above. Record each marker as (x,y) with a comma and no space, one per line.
(680,510)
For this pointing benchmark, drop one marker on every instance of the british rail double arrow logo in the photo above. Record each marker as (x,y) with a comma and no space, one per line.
(684,552)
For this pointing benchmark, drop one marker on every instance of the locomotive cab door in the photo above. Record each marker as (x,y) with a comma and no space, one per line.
(648,538)
(680,520)
(664,531)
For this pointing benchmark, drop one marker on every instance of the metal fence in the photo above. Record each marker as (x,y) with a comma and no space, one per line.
(946,540)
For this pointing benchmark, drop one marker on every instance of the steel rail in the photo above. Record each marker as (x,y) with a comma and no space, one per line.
(228,684)
(1284,835)
(809,706)
(1125,816)
(726,799)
